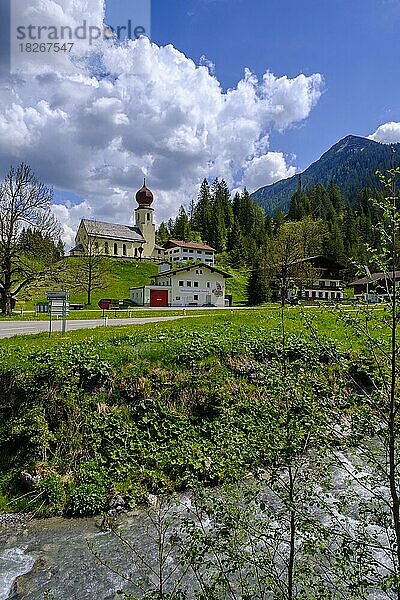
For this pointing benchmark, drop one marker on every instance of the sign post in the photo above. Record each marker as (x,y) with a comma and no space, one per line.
(58,303)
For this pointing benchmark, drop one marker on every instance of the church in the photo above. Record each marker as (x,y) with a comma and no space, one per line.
(127,241)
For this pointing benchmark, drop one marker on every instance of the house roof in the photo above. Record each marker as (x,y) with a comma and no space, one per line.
(374,277)
(319,257)
(200,265)
(115,231)
(78,248)
(181,244)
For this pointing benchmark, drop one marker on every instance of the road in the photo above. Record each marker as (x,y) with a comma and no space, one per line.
(11,328)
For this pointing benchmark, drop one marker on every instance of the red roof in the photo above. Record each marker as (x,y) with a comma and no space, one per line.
(194,245)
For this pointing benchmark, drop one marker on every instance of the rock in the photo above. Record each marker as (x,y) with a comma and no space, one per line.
(116,503)
(152,501)
(13,519)
(29,480)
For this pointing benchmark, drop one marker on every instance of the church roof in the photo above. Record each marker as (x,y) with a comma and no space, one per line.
(114,231)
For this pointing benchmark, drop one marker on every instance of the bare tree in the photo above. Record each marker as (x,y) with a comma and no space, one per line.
(91,270)
(24,202)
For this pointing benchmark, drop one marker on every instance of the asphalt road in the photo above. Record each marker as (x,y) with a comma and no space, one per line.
(12,328)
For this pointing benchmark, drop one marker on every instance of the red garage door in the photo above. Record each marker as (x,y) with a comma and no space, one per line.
(158,297)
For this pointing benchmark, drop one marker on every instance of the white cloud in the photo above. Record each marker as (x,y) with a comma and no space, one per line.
(388,133)
(155,112)
(266,169)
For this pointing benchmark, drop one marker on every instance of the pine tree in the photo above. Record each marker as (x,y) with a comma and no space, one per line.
(202,218)
(60,250)
(257,288)
(162,234)
(236,245)
(181,230)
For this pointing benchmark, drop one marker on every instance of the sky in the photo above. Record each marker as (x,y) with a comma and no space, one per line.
(250,91)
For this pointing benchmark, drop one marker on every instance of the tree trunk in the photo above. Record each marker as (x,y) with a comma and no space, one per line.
(6,289)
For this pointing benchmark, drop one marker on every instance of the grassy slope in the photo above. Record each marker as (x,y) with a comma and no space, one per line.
(328,322)
(139,409)
(123,274)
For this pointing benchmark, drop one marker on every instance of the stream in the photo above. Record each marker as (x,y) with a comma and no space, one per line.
(55,559)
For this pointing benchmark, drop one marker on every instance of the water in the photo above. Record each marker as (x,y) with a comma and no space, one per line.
(58,555)
(13,562)
(53,555)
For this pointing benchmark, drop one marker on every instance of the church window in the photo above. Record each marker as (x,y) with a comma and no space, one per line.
(106,249)
(148,216)
(136,252)
(124,249)
(115,248)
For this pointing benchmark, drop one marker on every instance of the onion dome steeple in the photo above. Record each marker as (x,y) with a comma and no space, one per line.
(144,197)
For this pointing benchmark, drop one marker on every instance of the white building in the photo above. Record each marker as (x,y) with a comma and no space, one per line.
(178,252)
(198,284)
(112,239)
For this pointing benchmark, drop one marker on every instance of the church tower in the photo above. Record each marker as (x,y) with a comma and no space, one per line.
(144,219)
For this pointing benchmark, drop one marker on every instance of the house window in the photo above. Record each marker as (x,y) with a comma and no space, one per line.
(199,251)
(124,249)
(208,253)
(191,251)
(177,250)
(115,248)
(188,284)
(185,250)
(181,283)
(177,297)
(195,297)
(195,284)
(208,284)
(106,249)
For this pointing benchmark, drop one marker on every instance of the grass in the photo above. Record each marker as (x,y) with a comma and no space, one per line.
(329,323)
(146,408)
(121,275)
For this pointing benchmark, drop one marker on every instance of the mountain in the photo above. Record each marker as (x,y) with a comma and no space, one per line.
(351,164)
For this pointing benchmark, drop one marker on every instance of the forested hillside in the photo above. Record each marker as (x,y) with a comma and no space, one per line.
(241,232)
(350,164)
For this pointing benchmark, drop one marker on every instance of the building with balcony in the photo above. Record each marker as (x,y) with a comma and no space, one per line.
(326,282)
(181,252)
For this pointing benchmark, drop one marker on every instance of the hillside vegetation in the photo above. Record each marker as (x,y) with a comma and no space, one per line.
(119,276)
(139,410)
(351,164)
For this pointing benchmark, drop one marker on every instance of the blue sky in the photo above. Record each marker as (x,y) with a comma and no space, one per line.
(252,91)
(354,44)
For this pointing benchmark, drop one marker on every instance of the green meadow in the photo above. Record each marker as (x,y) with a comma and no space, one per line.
(148,408)
(118,276)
